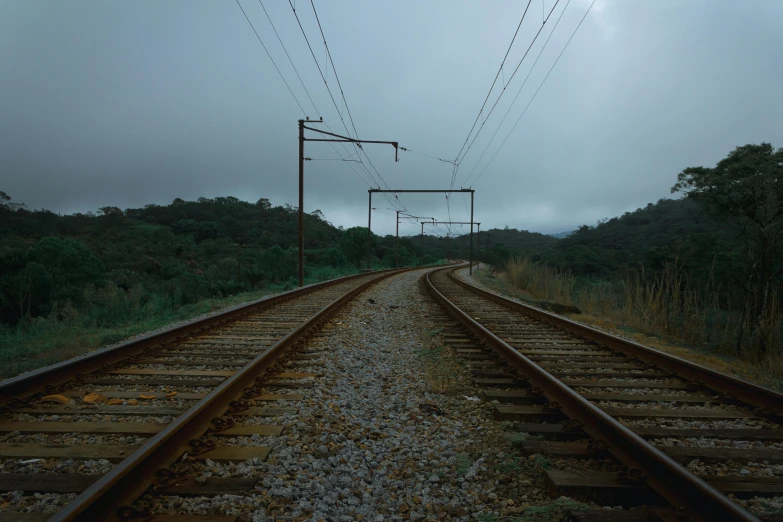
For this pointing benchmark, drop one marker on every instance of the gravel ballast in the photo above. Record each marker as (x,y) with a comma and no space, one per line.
(371,440)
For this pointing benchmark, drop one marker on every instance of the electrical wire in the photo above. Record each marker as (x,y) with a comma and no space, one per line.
(426,155)
(334,102)
(495,80)
(536,93)
(270,57)
(503,91)
(290,60)
(540,52)
(336,77)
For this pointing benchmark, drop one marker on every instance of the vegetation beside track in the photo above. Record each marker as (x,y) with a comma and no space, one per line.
(769,375)
(73,283)
(113,316)
(705,270)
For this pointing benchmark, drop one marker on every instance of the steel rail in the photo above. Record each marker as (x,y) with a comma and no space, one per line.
(769,402)
(41,380)
(114,492)
(690,495)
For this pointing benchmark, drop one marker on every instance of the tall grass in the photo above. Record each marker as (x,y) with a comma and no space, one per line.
(661,304)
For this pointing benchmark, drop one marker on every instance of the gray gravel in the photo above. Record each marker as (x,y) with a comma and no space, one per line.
(371,441)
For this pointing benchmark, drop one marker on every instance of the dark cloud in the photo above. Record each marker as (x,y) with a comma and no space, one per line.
(127,103)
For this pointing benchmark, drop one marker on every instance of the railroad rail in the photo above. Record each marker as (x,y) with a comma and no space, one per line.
(579,390)
(200,377)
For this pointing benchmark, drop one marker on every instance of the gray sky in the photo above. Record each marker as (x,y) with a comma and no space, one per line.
(128,103)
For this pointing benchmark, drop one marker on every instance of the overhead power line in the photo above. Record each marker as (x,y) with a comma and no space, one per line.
(519,91)
(336,77)
(270,57)
(334,102)
(360,150)
(298,76)
(426,155)
(537,90)
(503,91)
(494,81)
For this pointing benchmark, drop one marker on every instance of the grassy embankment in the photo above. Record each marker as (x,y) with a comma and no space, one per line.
(660,312)
(111,317)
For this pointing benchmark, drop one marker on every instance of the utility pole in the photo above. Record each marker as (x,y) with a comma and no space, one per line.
(301,200)
(397,244)
(398,231)
(369,230)
(478,248)
(421,243)
(471,233)
(302,139)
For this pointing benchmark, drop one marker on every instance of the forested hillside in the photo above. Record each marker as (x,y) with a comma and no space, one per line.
(717,254)
(179,253)
(707,268)
(670,231)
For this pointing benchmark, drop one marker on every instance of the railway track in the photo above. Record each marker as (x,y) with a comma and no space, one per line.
(682,436)
(155,405)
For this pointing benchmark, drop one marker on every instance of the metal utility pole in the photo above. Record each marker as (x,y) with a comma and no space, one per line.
(397,244)
(478,246)
(302,139)
(301,200)
(397,264)
(470,269)
(472,194)
(421,244)
(369,231)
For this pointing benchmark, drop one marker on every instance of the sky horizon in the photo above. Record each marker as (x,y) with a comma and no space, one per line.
(106,103)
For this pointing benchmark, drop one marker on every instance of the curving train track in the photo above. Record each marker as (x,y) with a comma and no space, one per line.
(100,435)
(154,403)
(684,436)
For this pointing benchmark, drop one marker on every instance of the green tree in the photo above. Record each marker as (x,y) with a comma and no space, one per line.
(68,261)
(254,275)
(27,290)
(745,190)
(354,244)
(333,257)
(279,264)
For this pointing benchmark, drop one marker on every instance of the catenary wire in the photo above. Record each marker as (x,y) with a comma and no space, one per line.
(503,91)
(517,95)
(494,81)
(270,57)
(536,93)
(297,75)
(334,102)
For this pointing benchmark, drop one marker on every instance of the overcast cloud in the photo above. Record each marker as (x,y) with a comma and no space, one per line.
(129,103)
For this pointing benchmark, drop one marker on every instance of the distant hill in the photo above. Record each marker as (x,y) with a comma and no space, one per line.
(649,237)
(179,253)
(561,235)
(508,239)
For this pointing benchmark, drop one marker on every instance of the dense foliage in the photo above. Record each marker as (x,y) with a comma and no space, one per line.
(722,243)
(53,265)
(721,246)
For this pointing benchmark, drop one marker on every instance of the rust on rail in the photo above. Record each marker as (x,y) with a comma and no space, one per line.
(692,496)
